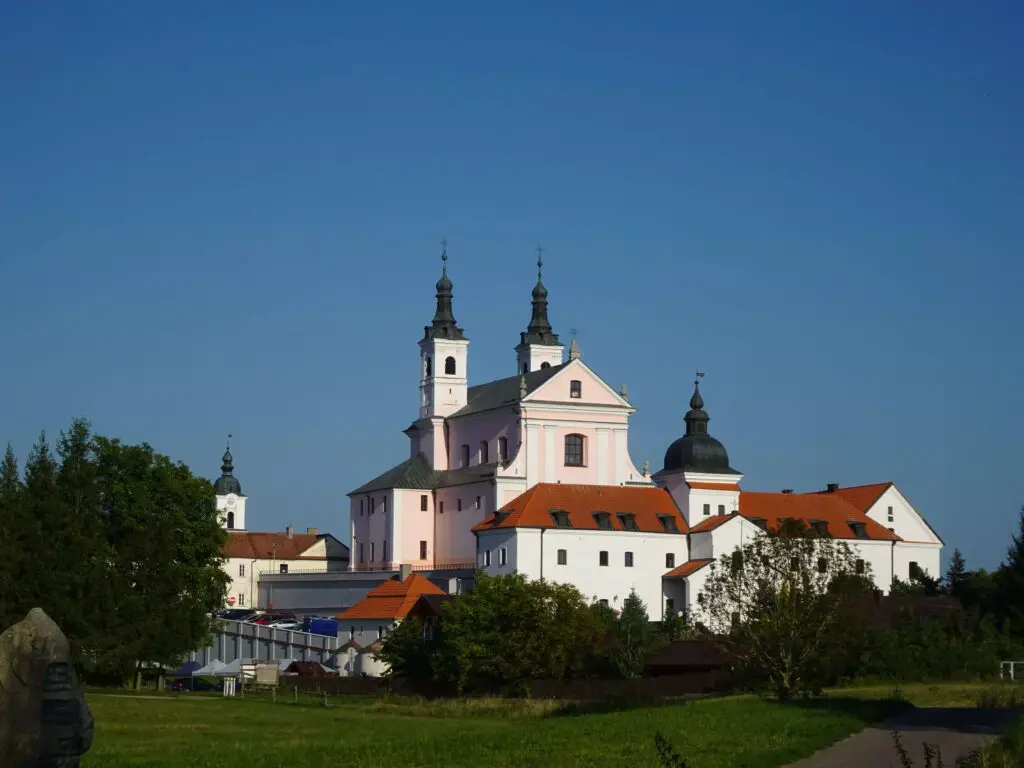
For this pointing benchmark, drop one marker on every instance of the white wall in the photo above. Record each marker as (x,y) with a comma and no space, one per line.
(906,522)
(363,631)
(232,503)
(925,555)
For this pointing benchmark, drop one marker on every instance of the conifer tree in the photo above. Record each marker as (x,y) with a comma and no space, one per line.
(956,574)
(11,524)
(1010,579)
(40,577)
(632,636)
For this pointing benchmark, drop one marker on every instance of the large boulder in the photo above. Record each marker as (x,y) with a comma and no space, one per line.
(44,720)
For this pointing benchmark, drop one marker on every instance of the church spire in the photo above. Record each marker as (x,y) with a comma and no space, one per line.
(697,418)
(227,482)
(539,330)
(443,325)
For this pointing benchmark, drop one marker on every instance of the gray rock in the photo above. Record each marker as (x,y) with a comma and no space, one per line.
(44,720)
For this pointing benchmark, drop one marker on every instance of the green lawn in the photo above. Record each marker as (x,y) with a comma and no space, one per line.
(197,732)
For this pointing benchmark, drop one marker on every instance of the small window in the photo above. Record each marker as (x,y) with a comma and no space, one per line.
(545,365)
(284,567)
(560,518)
(423,502)
(859,529)
(440,507)
(458,505)
(629,560)
(670,560)
(670,606)
(707,510)
(575,389)
(465,455)
(231,520)
(352,632)
(380,632)
(384,550)
(737,561)
(890,516)
(668,523)
(373,551)
(563,557)
(721,509)
(241,599)
(603,520)
(502,449)
(484,458)
(423,550)
(915,570)
(860,566)
(628,521)
(428,367)
(487,557)
(760,522)
(384,504)
(373,505)
(794,564)
(361,558)
(574,450)
(449,366)
(820,528)
(502,556)
(241,570)
(361,506)
(602,558)
(479,502)
(526,368)
(822,565)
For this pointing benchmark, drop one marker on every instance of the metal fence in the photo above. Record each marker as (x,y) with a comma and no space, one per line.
(243,640)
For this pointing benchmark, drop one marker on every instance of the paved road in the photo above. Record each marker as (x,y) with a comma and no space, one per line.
(955,732)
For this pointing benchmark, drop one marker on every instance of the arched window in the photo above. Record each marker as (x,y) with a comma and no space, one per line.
(575,389)
(545,365)
(465,455)
(502,449)
(574,450)
(428,367)
(231,519)
(449,366)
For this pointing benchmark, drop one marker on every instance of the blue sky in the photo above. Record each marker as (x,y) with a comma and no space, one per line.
(226,218)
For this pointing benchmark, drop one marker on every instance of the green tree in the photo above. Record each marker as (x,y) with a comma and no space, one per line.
(632,637)
(12,523)
(408,654)
(1010,580)
(784,608)
(956,574)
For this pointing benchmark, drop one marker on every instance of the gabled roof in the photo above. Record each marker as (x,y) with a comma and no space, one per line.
(392,599)
(688,568)
(862,497)
(532,509)
(710,523)
(495,394)
(416,474)
(830,508)
(266,546)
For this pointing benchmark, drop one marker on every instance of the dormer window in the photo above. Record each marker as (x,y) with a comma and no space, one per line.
(628,521)
(603,520)
(576,389)
(499,518)
(860,530)
(668,523)
(760,522)
(820,528)
(560,518)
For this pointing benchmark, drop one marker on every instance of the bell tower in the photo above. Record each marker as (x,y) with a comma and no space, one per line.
(230,499)
(538,346)
(444,355)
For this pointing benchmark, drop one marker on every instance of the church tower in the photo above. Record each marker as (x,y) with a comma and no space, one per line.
(538,346)
(230,499)
(443,356)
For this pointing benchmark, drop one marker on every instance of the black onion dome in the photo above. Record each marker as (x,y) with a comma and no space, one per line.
(227,482)
(697,451)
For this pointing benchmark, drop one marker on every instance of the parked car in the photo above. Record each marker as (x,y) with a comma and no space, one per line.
(289,624)
(268,618)
(236,614)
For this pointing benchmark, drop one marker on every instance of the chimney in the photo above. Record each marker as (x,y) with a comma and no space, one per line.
(288,531)
(312,531)
(404,571)
(832,487)
(787,490)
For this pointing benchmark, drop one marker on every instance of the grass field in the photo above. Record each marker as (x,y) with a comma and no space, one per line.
(200,731)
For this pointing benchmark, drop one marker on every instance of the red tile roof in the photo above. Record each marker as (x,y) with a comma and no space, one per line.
(863,497)
(686,569)
(831,508)
(391,600)
(265,546)
(714,486)
(532,509)
(711,523)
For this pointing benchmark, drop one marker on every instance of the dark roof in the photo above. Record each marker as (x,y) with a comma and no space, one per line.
(494,394)
(416,473)
(697,451)
(429,605)
(227,482)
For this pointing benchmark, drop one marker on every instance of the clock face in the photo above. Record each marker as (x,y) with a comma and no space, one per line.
(231,500)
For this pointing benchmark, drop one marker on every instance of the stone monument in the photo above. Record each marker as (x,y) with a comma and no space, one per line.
(44,720)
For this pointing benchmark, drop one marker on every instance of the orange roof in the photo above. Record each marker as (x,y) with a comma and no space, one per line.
(714,486)
(863,497)
(392,600)
(687,568)
(711,523)
(532,509)
(828,507)
(278,546)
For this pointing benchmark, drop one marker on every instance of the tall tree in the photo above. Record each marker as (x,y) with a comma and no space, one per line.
(632,636)
(956,574)
(12,523)
(41,574)
(1010,580)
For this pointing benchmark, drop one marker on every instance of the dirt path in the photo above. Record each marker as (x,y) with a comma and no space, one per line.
(955,732)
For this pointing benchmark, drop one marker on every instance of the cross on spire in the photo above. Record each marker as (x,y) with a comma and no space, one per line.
(573,332)
(229,441)
(540,261)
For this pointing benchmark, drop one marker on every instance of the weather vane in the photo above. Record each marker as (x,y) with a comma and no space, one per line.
(229,441)
(540,260)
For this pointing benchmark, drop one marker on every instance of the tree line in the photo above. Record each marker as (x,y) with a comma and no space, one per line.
(120,545)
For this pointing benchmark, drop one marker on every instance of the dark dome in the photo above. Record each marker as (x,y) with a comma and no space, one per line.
(539,291)
(444,285)
(226,484)
(698,453)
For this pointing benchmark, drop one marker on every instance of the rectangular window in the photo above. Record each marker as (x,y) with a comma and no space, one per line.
(628,521)
(465,455)
(241,599)
(241,570)
(373,505)
(602,558)
(721,509)
(629,559)
(423,550)
(707,510)
(670,606)
(822,565)
(890,514)
(361,506)
(362,559)
(458,505)
(574,450)
(575,389)
(603,520)
(563,557)
(487,557)
(483,452)
(668,524)
(915,569)
(373,551)
(384,550)
(440,507)
(502,556)
(284,568)
(560,518)
(478,502)
(423,502)
(502,449)
(860,566)
(384,504)
(670,560)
